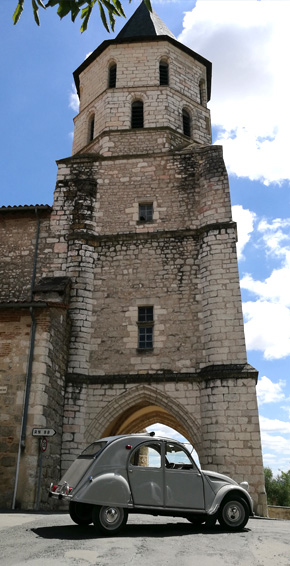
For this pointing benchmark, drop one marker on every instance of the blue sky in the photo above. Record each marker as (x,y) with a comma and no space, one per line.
(248,43)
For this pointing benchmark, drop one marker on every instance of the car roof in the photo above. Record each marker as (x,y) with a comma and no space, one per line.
(137,436)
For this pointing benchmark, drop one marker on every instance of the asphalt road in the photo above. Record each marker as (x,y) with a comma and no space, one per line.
(45,539)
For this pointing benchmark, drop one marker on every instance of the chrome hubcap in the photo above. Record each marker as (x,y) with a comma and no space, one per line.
(111,515)
(233,513)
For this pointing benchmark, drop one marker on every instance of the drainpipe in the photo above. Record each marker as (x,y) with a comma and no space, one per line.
(21,446)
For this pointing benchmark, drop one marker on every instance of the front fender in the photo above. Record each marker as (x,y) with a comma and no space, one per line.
(227,490)
(107,489)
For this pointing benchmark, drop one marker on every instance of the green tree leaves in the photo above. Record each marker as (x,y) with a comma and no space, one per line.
(277,489)
(109,10)
(20,6)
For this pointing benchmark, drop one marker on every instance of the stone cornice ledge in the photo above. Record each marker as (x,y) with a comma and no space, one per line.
(157,234)
(220,371)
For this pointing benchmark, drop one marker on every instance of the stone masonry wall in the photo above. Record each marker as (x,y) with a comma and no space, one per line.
(160,140)
(14,340)
(96,201)
(45,407)
(17,246)
(221,307)
(161,272)
(171,182)
(231,433)
(138,66)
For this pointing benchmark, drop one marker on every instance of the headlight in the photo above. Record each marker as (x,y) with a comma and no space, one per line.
(245,485)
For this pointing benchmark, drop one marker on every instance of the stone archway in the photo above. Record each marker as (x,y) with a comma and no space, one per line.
(142,406)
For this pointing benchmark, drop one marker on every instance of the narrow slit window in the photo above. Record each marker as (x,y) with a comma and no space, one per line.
(91,128)
(112,76)
(186,123)
(163,73)
(146,212)
(137,119)
(202,93)
(145,328)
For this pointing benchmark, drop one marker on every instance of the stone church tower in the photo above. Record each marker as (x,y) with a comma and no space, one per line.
(127,306)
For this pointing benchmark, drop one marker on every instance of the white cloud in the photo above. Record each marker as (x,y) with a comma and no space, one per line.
(275,288)
(276,236)
(267,317)
(245,225)
(74,99)
(274,425)
(270,392)
(248,43)
(267,328)
(276,448)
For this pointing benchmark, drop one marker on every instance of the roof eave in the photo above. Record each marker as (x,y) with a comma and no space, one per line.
(26,208)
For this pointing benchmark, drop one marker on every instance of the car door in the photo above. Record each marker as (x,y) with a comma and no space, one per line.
(145,474)
(183,480)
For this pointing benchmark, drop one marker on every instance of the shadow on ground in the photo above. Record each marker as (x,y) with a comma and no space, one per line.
(76,532)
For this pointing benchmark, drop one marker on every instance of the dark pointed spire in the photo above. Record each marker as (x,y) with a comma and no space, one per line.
(144,24)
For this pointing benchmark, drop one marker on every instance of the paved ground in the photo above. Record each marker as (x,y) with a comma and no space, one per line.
(46,539)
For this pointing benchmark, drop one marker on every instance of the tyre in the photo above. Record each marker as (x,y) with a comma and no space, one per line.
(109,519)
(234,513)
(80,513)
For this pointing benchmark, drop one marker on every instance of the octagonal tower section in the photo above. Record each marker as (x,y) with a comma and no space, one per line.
(142,94)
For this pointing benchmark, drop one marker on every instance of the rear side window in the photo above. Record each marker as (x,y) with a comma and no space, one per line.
(147,456)
(92,450)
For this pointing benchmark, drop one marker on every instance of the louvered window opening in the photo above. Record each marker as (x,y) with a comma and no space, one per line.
(137,114)
(92,127)
(112,76)
(186,123)
(163,73)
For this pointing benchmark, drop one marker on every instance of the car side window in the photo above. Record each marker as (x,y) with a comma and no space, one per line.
(176,457)
(147,456)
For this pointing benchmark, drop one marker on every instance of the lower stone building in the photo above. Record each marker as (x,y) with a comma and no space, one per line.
(120,304)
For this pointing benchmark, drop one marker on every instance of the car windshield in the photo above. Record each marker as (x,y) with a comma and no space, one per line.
(92,450)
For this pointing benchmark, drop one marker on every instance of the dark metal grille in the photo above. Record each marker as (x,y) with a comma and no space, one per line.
(163,73)
(186,123)
(137,120)
(145,212)
(112,76)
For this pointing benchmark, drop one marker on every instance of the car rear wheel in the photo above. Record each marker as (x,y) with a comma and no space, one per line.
(80,513)
(234,513)
(109,519)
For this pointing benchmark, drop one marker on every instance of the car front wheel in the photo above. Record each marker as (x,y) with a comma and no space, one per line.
(80,513)
(234,514)
(109,519)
